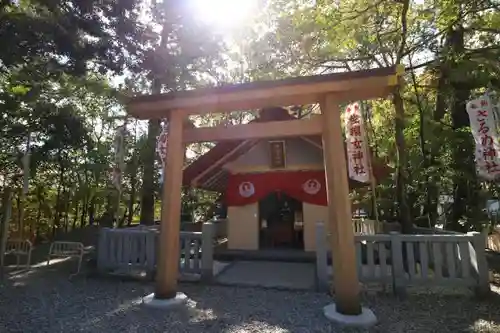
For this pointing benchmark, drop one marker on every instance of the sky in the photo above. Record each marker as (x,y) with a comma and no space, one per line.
(225,15)
(222,16)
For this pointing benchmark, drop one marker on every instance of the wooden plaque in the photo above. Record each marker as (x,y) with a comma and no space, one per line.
(277,154)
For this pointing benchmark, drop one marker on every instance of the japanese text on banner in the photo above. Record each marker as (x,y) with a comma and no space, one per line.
(483,128)
(357,160)
(162,142)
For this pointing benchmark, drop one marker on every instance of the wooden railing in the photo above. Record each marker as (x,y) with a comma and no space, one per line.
(132,249)
(412,260)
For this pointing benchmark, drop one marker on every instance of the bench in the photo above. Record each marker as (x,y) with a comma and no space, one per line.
(19,248)
(62,249)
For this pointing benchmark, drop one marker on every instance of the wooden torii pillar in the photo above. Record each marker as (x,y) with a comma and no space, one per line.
(168,254)
(346,284)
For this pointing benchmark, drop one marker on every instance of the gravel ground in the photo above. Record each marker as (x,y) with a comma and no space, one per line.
(46,301)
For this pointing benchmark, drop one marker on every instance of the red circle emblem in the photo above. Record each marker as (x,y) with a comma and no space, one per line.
(246,189)
(311,186)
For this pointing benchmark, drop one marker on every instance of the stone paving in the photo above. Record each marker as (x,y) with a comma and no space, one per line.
(269,274)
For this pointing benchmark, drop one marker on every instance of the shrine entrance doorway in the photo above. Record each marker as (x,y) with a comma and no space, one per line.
(280,222)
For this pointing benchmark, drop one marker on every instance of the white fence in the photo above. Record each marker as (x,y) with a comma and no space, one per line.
(135,249)
(412,260)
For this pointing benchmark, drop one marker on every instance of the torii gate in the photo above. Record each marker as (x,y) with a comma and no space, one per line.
(327,90)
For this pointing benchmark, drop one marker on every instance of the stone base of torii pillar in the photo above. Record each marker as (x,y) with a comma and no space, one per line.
(364,320)
(179,300)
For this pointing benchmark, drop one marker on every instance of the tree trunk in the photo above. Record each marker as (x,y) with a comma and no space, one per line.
(19,206)
(433,186)
(5,218)
(38,218)
(427,218)
(465,179)
(86,198)
(149,174)
(75,216)
(92,211)
(84,211)
(399,126)
(66,211)
(58,212)
(121,219)
(401,176)
(131,202)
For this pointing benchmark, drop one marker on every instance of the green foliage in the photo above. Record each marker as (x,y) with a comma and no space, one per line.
(351,35)
(66,35)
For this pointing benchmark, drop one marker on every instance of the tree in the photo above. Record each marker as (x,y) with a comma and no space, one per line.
(302,39)
(184,49)
(71,36)
(58,86)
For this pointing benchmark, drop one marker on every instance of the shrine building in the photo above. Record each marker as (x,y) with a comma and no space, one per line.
(273,189)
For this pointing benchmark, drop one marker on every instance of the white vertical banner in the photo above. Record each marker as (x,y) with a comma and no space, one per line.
(161,149)
(484,131)
(161,143)
(357,161)
(25,161)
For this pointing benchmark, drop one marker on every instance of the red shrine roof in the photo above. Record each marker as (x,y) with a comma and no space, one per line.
(214,178)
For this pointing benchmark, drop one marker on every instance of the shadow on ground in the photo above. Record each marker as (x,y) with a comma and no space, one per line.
(45,300)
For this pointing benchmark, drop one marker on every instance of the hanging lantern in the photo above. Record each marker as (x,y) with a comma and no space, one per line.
(161,143)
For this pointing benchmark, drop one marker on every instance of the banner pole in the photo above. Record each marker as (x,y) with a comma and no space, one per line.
(373,186)
(373,181)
